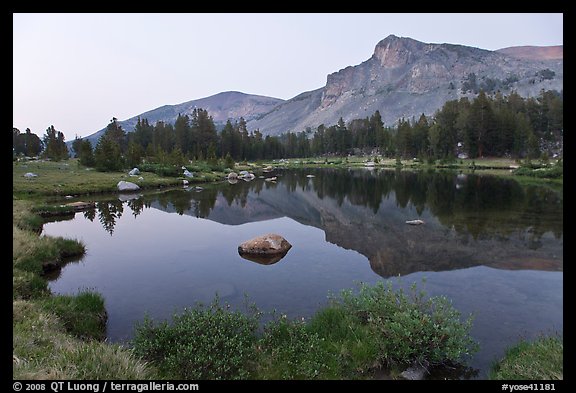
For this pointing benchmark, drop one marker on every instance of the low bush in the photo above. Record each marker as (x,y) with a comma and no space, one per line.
(201,343)
(161,169)
(380,326)
(289,350)
(351,338)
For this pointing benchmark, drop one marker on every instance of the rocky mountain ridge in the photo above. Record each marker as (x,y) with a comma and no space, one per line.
(403,78)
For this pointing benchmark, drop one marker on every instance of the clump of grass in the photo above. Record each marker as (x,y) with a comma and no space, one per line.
(26,285)
(53,210)
(349,340)
(201,343)
(289,350)
(32,253)
(23,218)
(43,350)
(83,315)
(541,359)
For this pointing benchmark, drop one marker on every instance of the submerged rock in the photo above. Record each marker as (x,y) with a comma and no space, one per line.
(79,206)
(265,249)
(415,373)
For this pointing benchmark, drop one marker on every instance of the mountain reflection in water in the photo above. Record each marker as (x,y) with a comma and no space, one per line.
(470,220)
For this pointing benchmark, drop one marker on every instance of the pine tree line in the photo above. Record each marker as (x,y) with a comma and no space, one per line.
(486,126)
(52,146)
(495,126)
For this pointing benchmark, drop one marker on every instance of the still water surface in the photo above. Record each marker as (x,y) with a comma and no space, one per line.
(493,247)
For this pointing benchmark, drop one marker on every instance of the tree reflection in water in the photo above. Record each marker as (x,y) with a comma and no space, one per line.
(470,219)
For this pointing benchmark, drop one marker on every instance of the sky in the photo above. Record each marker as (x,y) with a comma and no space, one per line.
(77,71)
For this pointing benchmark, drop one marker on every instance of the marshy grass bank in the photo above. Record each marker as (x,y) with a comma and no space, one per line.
(541,359)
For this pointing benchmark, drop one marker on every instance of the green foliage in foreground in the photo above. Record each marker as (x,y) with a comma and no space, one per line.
(541,359)
(201,343)
(289,349)
(409,327)
(83,315)
(356,334)
(43,350)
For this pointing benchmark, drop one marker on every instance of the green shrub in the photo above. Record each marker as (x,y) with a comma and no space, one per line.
(291,351)
(410,328)
(162,169)
(200,343)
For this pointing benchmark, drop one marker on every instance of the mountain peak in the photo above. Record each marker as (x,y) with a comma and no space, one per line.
(395,51)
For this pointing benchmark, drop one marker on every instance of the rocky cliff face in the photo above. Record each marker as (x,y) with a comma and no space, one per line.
(405,78)
(402,78)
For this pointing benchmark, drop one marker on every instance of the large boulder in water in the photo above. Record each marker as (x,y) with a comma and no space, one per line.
(127,186)
(265,249)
